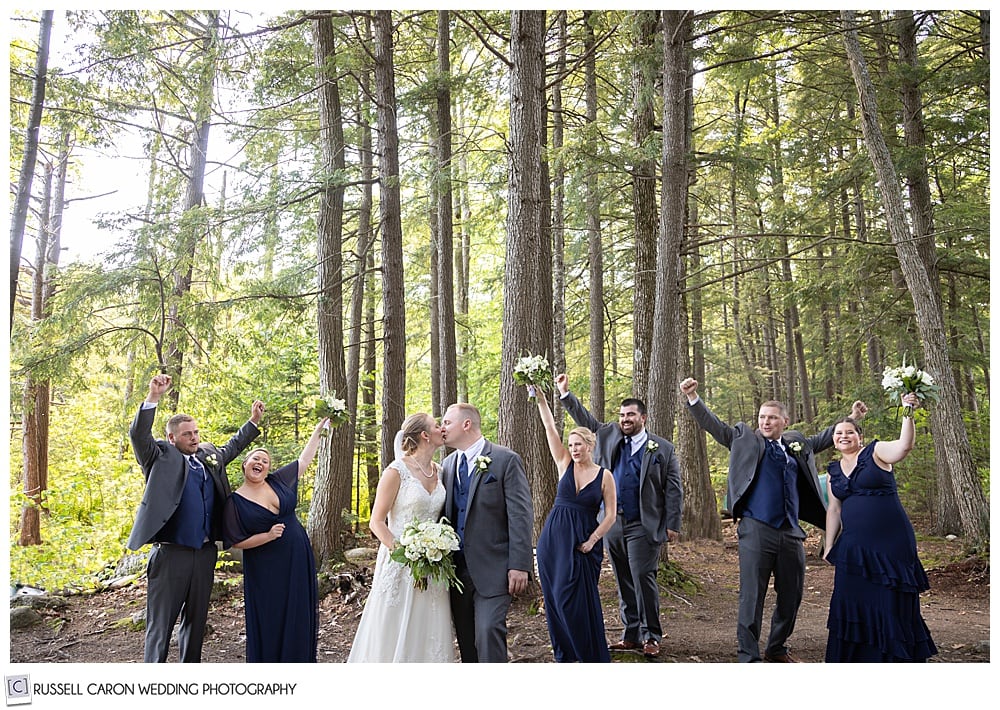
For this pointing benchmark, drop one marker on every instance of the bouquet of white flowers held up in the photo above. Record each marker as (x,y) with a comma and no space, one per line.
(426,548)
(533,370)
(898,381)
(331,407)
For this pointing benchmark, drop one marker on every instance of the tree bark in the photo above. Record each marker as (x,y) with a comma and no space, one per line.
(393,308)
(447,358)
(19,214)
(527,304)
(952,437)
(661,399)
(558,210)
(592,209)
(332,490)
(644,208)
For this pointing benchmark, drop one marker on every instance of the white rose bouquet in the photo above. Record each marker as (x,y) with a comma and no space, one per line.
(533,370)
(907,379)
(426,548)
(332,407)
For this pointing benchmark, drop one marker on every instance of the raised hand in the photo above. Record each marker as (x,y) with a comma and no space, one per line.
(858,410)
(689,387)
(257,412)
(562,382)
(157,386)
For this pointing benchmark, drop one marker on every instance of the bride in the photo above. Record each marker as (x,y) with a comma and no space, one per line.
(401,623)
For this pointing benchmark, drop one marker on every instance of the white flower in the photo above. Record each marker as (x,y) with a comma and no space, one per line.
(651,446)
(482,462)
(795,446)
(212,460)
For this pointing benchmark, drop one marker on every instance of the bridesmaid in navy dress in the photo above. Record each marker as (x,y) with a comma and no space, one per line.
(279,570)
(570,549)
(875,607)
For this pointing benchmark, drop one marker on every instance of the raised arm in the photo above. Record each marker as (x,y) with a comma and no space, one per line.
(890,452)
(309,452)
(560,455)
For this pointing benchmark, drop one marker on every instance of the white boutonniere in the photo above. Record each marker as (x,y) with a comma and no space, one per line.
(482,462)
(651,446)
(795,447)
(211,460)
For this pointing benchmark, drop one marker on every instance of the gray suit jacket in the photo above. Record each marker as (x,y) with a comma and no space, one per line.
(165,470)
(498,517)
(661,496)
(746,451)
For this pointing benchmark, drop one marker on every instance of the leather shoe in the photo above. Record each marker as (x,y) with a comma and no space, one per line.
(623,646)
(781,658)
(651,649)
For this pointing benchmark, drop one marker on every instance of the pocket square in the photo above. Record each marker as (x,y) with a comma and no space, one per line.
(489,478)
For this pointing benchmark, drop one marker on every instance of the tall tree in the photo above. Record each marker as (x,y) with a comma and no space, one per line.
(972,509)
(645,66)
(393,307)
(19,214)
(332,491)
(447,358)
(527,303)
(661,396)
(595,250)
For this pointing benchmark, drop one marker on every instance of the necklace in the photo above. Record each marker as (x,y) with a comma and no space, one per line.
(426,475)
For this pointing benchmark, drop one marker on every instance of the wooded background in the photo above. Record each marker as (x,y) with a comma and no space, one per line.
(393,206)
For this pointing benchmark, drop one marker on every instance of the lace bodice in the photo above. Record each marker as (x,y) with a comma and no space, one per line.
(413,502)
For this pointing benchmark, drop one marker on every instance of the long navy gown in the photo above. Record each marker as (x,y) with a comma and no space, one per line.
(279,577)
(875,607)
(568,577)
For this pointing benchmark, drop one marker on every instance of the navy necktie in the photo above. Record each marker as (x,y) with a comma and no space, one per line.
(775,451)
(463,471)
(197,468)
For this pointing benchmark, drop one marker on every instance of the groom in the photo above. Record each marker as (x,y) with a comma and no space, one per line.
(489,503)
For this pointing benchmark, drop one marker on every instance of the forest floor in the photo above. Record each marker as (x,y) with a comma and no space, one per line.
(698,618)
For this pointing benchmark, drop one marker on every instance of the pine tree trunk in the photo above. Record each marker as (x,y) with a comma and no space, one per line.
(393,307)
(558,220)
(646,215)
(19,213)
(447,358)
(332,489)
(661,399)
(952,436)
(527,306)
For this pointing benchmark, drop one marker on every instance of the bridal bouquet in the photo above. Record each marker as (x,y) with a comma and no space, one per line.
(330,406)
(426,548)
(533,370)
(898,381)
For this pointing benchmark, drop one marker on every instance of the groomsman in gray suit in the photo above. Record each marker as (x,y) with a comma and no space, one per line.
(650,498)
(772,485)
(181,514)
(489,503)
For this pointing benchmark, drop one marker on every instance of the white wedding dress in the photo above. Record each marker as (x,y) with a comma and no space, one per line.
(402,624)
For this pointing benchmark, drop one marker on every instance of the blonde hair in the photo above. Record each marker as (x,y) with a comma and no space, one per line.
(586,434)
(413,426)
(251,452)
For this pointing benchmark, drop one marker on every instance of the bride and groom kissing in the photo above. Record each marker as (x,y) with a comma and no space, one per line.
(481,487)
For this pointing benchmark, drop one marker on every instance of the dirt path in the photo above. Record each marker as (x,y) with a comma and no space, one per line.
(699,625)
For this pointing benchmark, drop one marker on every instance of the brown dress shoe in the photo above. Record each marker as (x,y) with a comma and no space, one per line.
(781,658)
(623,646)
(651,649)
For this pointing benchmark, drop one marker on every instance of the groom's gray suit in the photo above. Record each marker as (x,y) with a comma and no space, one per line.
(498,529)
(760,547)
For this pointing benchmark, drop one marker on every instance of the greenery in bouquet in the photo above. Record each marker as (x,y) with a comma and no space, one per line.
(533,370)
(427,548)
(332,407)
(899,381)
